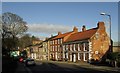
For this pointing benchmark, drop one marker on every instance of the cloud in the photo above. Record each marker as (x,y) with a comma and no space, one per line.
(48,28)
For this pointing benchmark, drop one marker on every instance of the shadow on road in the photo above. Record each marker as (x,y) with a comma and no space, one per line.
(9,65)
(62,68)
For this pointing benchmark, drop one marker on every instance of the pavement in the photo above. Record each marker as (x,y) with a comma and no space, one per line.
(90,66)
(23,69)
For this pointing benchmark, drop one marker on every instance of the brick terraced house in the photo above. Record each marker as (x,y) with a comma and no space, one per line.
(87,44)
(83,46)
(56,50)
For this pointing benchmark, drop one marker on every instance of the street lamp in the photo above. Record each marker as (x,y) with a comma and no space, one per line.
(109,23)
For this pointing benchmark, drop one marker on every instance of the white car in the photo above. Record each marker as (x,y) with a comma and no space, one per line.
(29,62)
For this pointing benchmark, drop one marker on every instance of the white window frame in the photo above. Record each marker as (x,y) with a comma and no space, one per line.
(67,55)
(79,48)
(61,41)
(58,41)
(67,47)
(53,42)
(63,51)
(53,48)
(71,47)
(58,47)
(74,47)
(84,54)
(79,56)
(56,56)
(84,46)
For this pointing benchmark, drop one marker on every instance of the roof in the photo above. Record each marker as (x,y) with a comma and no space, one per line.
(50,38)
(62,35)
(82,35)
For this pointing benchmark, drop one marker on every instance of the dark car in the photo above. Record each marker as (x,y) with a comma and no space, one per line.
(29,62)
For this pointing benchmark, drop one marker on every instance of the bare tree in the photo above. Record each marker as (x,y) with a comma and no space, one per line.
(12,25)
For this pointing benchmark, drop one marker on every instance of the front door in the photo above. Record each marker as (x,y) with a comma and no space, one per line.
(73,57)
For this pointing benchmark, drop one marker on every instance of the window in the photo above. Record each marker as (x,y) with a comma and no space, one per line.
(53,48)
(78,56)
(79,47)
(66,47)
(85,56)
(70,47)
(58,47)
(61,41)
(85,46)
(74,48)
(58,41)
(53,41)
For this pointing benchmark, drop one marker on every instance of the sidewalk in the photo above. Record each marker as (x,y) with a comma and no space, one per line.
(90,66)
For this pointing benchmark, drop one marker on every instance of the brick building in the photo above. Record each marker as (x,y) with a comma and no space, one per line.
(56,51)
(87,44)
(77,46)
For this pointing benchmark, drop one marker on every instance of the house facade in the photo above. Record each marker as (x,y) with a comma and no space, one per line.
(56,43)
(86,45)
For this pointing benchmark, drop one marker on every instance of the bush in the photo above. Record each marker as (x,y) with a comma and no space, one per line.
(114,57)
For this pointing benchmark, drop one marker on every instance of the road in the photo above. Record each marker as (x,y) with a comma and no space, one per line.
(54,67)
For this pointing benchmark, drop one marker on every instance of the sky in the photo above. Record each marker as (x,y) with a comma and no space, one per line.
(60,0)
(46,18)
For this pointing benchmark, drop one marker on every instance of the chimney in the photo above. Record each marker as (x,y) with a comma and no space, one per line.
(59,33)
(51,35)
(46,38)
(101,25)
(83,28)
(75,29)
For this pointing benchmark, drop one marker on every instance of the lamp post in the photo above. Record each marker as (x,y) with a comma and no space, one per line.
(109,23)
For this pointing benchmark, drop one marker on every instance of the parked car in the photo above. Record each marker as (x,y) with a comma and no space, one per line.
(30,62)
(22,60)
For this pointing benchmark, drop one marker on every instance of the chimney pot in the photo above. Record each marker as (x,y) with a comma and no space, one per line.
(59,33)
(75,29)
(83,28)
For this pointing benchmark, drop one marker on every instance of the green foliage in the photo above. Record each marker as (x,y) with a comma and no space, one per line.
(114,56)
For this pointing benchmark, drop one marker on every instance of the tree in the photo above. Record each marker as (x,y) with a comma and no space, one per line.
(12,25)
(25,41)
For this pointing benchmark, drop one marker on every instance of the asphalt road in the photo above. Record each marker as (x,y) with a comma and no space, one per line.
(54,67)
